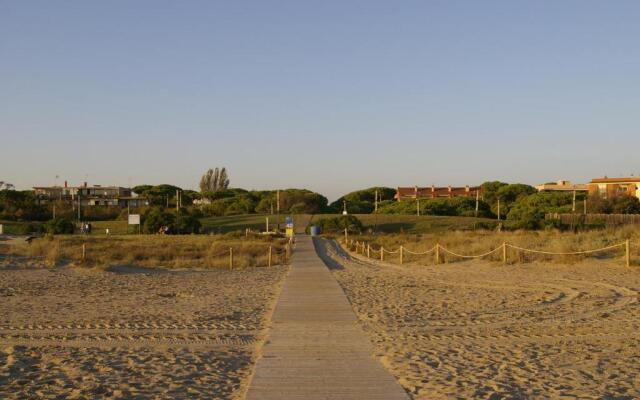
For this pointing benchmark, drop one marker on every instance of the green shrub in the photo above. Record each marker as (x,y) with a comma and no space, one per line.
(18,205)
(338,224)
(176,222)
(100,213)
(185,224)
(529,212)
(59,225)
(362,201)
(157,218)
(489,226)
(456,206)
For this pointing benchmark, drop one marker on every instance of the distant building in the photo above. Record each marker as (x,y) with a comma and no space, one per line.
(94,195)
(433,192)
(201,202)
(562,186)
(612,187)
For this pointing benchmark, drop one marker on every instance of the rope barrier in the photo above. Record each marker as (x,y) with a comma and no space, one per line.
(470,256)
(419,253)
(502,248)
(568,253)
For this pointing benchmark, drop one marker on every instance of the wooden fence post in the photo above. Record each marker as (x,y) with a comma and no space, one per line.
(504,252)
(84,252)
(368,250)
(269,256)
(437,253)
(230,257)
(628,253)
(401,255)
(381,253)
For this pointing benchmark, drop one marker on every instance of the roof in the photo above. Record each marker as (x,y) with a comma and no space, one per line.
(560,188)
(419,188)
(81,187)
(632,179)
(440,191)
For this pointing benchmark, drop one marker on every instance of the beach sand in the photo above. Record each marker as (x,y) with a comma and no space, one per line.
(131,333)
(488,331)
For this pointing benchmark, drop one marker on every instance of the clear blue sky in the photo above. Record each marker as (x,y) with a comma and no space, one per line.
(331,96)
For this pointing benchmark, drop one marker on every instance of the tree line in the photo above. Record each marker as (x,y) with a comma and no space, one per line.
(520,205)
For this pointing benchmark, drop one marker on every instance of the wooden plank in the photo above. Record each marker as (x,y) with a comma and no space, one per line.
(316,349)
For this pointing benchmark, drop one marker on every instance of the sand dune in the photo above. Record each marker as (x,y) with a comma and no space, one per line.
(484,330)
(78,333)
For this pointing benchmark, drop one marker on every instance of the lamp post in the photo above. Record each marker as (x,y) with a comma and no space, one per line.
(477,203)
(278,208)
(375,199)
(346,221)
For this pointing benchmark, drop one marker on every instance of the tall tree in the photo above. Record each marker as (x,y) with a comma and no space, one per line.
(7,185)
(214,180)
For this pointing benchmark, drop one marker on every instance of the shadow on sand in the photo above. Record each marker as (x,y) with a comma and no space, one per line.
(325,248)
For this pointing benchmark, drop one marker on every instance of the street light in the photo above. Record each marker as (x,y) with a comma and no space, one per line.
(346,221)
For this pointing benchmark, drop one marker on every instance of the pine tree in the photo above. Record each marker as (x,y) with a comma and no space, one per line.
(214,180)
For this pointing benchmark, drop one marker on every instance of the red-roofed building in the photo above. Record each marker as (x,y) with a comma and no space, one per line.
(434,192)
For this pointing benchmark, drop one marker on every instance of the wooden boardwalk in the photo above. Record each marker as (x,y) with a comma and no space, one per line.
(316,350)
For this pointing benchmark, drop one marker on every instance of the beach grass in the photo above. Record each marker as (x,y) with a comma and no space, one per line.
(194,251)
(479,242)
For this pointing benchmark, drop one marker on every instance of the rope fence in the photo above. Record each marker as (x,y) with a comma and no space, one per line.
(438,250)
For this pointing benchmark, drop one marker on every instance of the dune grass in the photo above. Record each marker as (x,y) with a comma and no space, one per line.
(196,251)
(480,242)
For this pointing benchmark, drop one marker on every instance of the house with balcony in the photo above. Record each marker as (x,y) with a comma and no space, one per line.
(88,196)
(611,187)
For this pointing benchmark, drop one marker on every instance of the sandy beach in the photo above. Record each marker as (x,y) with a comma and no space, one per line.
(131,333)
(488,331)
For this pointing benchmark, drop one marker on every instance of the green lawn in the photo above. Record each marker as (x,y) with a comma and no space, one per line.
(98,227)
(256,222)
(392,223)
(115,227)
(385,223)
(20,228)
